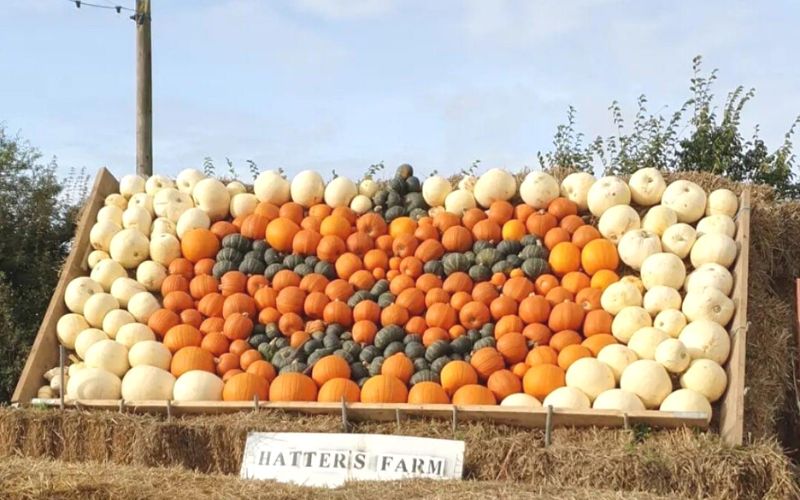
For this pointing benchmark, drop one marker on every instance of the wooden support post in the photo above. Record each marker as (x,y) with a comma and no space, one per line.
(548,426)
(144,91)
(255,403)
(169,410)
(345,424)
(397,417)
(62,354)
(455,420)
(122,405)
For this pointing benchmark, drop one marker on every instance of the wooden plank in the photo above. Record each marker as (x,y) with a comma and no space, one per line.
(44,353)
(731,423)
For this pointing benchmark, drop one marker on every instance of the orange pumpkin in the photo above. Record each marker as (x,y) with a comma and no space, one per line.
(367,310)
(541,380)
(472,217)
(402,225)
(305,242)
(599,254)
(202,285)
(440,315)
(544,283)
(191,317)
(433,334)
(487,230)
(290,300)
(558,295)
(484,292)
(603,278)
(394,314)
(500,211)
(474,315)
(595,343)
(597,322)
(513,347)
(542,355)
(534,309)
(174,283)
(330,367)
(339,289)
(347,264)
(183,267)
(486,361)
(503,306)
(364,331)
(428,393)
(445,220)
(539,223)
(555,236)
(474,394)
(204,266)
(589,299)
(263,369)
(564,338)
(572,353)
(292,387)
(162,320)
(562,207)
(265,297)
(223,228)
(584,234)
(280,233)
(518,288)
(457,282)
(237,326)
(456,374)
(564,257)
(199,244)
(457,239)
(255,283)
(191,358)
(314,305)
(384,389)
(503,383)
(313,283)
(337,389)
(398,365)
(291,211)
(372,224)
(330,248)
(180,336)
(245,387)
(267,210)
(228,362)
(571,223)
(429,250)
(507,324)
(537,333)
(566,316)
(215,343)
(575,281)
(338,312)
(412,299)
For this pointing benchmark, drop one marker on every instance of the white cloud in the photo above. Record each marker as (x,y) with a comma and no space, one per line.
(346,9)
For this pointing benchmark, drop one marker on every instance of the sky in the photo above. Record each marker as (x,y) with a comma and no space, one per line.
(342,84)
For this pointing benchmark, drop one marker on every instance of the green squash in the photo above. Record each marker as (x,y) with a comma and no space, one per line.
(344,355)
(334,329)
(487,330)
(312,345)
(257,339)
(534,251)
(358,370)
(368,353)
(380,197)
(488,256)
(473,335)
(481,245)
(223,267)
(439,363)
(455,262)
(380,286)
(293,367)
(393,348)
(434,267)
(508,247)
(303,269)
(387,335)
(415,201)
(267,350)
(437,349)
(412,337)
(237,242)
(530,239)
(398,185)
(404,171)
(461,345)
(533,268)
(414,185)
(326,269)
(312,260)
(421,364)
(393,213)
(230,254)
(394,200)
(332,341)
(319,354)
(515,260)
(272,270)
(484,342)
(502,266)
(259,246)
(272,331)
(375,365)
(386,299)
(415,350)
(252,266)
(271,256)
(480,273)
(424,376)
(417,213)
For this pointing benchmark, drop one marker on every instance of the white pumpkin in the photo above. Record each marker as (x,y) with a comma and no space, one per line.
(620,295)
(171,203)
(110,213)
(212,196)
(575,187)
(129,185)
(619,400)
(687,400)
(270,186)
(108,355)
(658,219)
(369,187)
(633,280)
(45,392)
(644,341)
(86,339)
(197,385)
(97,306)
(156,183)
(711,275)
(192,219)
(93,383)
(678,239)
(521,400)
(129,247)
(618,220)
(647,185)
(340,192)
(151,274)
(722,202)
(116,319)
(636,245)
(673,355)
(163,225)
(716,224)
(68,327)
(671,321)
(467,183)
(137,218)
(307,188)
(708,303)
(687,199)
(459,201)
(75,368)
(538,189)
(147,383)
(435,189)
(164,248)
(648,380)
(235,187)
(116,200)
(187,179)
(144,201)
(124,288)
(495,185)
(713,247)
(607,192)
(567,398)
(243,204)
(705,339)
(142,305)
(660,298)
(95,257)
(106,272)
(628,321)
(151,353)
(665,269)
(101,233)
(590,376)
(617,357)
(361,204)
(78,292)
(133,333)
(705,377)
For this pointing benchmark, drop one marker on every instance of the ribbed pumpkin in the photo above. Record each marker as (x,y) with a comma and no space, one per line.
(181,336)
(584,234)
(541,380)
(427,393)
(292,387)
(565,257)
(486,361)
(339,290)
(364,331)
(290,300)
(178,301)
(599,254)
(338,312)
(513,347)
(457,282)
(474,314)
(457,239)
(507,324)
(245,387)
(330,367)
(240,303)
(394,315)
(183,267)
(503,383)
(597,321)
(305,242)
(542,355)
(202,285)
(347,264)
(280,233)
(367,310)
(404,245)
(162,320)
(539,223)
(562,207)
(518,288)
(566,316)
(359,243)
(384,389)
(503,306)
(313,282)
(441,315)
(596,342)
(484,292)
(174,283)
(412,299)
(399,366)
(474,394)
(199,244)
(456,374)
(538,333)
(335,225)
(429,250)
(314,305)
(215,343)
(330,248)
(534,309)
(337,389)
(487,230)
(227,362)
(372,224)
(572,353)
(191,358)
(254,226)
(237,326)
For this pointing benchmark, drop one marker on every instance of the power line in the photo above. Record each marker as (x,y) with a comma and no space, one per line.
(118,8)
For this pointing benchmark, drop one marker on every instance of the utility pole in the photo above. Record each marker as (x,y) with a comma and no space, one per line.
(144,91)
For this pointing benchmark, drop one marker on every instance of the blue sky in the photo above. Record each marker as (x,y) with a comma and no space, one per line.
(341,84)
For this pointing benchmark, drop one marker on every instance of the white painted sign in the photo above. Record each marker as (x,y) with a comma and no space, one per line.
(332,459)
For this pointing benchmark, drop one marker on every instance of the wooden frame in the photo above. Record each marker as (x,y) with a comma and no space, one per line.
(44,355)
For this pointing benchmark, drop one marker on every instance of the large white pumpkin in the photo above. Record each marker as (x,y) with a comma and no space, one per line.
(110,213)
(467,183)
(93,383)
(106,272)
(648,380)
(665,269)
(144,201)
(369,187)
(620,295)
(617,399)
(495,185)
(590,376)
(435,189)
(673,355)
(163,225)
(658,219)
(101,233)
(717,224)
(722,202)
(708,303)
(133,333)
(129,247)
(633,280)
(340,192)
(459,201)
(617,357)
(678,239)
(129,185)
(156,183)
(164,248)
(78,292)
(151,274)
(108,355)
(95,257)
(243,204)
(618,220)
(187,179)
(192,219)
(706,339)
(150,352)
(116,319)
(636,245)
(687,400)
(521,400)
(671,321)
(212,196)
(687,199)
(709,275)
(270,186)
(116,200)
(147,383)
(607,192)
(575,187)
(198,385)
(628,321)
(86,339)
(171,203)
(567,398)
(68,327)
(97,306)
(660,298)
(713,247)
(644,341)
(124,288)
(142,305)
(646,185)
(361,204)
(307,188)
(706,377)
(538,189)
(235,187)
(135,217)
